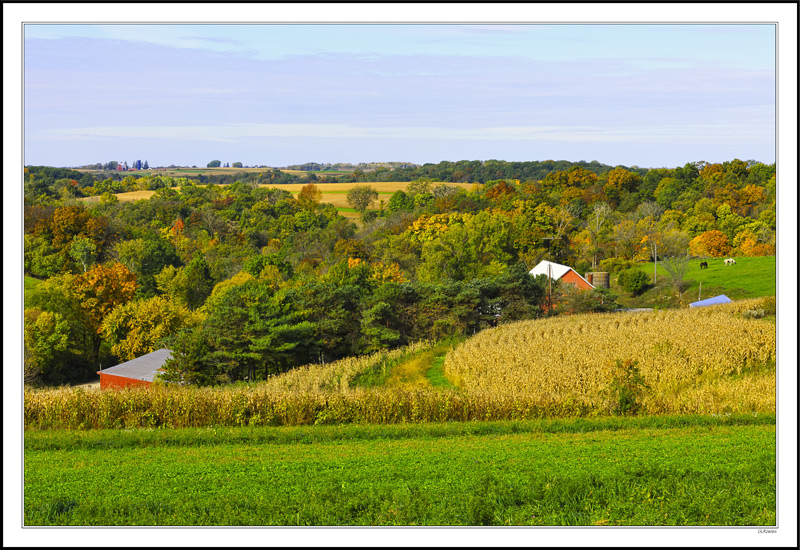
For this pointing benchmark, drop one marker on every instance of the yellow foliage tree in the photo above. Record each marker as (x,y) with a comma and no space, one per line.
(135,328)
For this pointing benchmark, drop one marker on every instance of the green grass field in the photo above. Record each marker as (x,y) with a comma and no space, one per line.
(751,277)
(633,471)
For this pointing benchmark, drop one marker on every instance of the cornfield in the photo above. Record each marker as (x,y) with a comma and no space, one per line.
(706,361)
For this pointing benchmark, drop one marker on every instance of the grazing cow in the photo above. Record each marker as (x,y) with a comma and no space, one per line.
(703,265)
(730,261)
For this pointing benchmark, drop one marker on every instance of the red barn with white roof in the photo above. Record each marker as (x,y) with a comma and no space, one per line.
(559,272)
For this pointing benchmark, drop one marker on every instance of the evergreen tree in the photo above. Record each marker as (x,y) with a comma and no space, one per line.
(199,283)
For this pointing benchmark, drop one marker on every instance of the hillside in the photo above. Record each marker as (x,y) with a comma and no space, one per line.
(328,278)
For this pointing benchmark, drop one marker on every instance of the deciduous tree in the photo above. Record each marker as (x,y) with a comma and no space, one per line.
(46,335)
(361,196)
(710,243)
(136,328)
(309,197)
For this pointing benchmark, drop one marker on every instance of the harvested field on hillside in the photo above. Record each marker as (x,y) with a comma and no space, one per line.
(332,193)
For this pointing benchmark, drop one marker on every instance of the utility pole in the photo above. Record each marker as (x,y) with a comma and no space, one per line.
(549,277)
(655,262)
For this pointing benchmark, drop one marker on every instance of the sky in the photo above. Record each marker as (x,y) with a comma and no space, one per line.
(649,95)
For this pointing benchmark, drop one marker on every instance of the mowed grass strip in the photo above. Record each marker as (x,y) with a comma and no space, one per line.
(694,475)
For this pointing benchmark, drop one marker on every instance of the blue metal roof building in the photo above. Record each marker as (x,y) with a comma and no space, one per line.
(721,299)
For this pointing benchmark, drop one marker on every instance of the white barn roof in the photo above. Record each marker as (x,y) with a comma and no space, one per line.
(556,271)
(141,368)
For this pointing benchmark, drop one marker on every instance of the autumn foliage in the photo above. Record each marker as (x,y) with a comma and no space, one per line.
(711,243)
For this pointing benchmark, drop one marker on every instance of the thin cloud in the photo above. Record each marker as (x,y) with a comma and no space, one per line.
(721,133)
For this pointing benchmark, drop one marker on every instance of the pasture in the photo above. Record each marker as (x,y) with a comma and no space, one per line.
(751,277)
(634,471)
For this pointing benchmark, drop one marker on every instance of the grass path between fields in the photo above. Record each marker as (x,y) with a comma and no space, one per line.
(417,371)
(619,471)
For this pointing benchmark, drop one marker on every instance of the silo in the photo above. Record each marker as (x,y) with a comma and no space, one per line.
(601,279)
(598,279)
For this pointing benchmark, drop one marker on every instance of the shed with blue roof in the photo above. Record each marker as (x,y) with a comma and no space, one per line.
(716,300)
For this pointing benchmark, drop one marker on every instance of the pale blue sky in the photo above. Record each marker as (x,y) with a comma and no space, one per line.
(647,95)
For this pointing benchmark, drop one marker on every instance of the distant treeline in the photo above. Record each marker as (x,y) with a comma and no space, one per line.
(316,166)
(475,171)
(463,171)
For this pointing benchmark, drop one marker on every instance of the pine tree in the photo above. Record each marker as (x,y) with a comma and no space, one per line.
(146,166)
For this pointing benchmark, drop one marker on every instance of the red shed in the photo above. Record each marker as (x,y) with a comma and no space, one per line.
(561,272)
(136,372)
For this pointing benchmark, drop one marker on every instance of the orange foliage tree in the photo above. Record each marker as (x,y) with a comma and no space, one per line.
(711,243)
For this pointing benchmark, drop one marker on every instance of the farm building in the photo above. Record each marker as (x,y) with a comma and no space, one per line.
(559,272)
(721,299)
(136,372)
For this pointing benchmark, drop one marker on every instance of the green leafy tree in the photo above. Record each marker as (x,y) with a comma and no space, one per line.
(676,267)
(597,225)
(361,197)
(400,201)
(214,164)
(633,281)
(421,186)
(237,165)
(147,257)
(84,252)
(41,259)
(46,336)
(335,312)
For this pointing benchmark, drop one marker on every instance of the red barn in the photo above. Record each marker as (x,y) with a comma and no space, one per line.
(136,372)
(561,272)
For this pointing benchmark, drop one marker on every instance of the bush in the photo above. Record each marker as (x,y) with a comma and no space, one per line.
(633,281)
(615,265)
(753,314)
(627,388)
(597,300)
